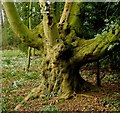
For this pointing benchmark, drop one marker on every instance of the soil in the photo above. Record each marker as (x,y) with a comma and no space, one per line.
(98,100)
(104,98)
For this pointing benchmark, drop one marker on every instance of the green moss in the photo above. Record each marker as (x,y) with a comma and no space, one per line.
(61,100)
(75,44)
(74,18)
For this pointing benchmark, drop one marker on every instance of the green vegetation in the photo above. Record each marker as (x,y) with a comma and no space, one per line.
(50,109)
(12,53)
(16,83)
(14,76)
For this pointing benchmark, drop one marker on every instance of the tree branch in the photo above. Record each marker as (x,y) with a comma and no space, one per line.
(19,27)
(74,18)
(65,13)
(49,23)
(94,49)
(70,20)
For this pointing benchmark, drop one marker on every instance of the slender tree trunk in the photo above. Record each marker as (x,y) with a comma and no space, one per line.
(1,16)
(28,59)
(29,48)
(33,52)
(98,78)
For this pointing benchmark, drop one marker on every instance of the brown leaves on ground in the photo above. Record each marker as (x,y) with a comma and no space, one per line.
(97,100)
(105,98)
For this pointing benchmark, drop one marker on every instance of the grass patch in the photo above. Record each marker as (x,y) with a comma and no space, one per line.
(15,78)
(112,78)
(12,53)
(50,109)
(19,99)
(112,102)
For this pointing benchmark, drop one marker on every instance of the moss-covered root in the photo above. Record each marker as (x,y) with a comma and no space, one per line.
(34,93)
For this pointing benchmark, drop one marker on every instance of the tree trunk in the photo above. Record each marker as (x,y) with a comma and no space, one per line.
(98,79)
(29,48)
(59,71)
(33,52)
(60,74)
(28,58)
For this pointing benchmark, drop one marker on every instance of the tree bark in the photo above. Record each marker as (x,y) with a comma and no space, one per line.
(65,13)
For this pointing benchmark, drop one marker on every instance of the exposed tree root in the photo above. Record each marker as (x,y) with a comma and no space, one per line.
(34,93)
(38,93)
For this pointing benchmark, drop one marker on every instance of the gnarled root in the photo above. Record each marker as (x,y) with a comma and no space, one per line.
(34,93)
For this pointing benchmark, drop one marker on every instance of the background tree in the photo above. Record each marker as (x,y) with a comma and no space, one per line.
(64,51)
(29,48)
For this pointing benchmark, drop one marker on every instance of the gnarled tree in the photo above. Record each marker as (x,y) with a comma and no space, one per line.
(64,52)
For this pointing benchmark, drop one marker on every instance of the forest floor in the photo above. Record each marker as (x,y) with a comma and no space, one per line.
(17,83)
